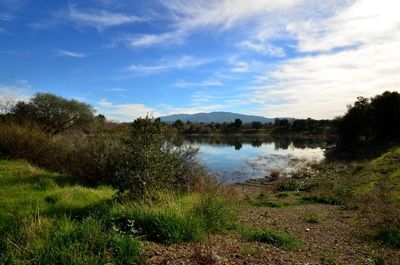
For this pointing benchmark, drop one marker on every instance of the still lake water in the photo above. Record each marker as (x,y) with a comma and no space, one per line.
(237,159)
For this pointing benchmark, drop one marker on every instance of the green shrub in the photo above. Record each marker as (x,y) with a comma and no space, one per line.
(151,165)
(389,236)
(313,218)
(279,239)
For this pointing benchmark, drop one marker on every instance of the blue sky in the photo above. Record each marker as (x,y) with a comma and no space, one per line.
(292,58)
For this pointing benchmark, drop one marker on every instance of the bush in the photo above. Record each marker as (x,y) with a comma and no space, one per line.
(389,236)
(151,165)
(279,239)
(95,158)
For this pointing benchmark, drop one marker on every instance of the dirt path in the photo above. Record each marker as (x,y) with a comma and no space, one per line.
(327,231)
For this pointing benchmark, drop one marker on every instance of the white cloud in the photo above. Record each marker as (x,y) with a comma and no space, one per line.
(116,89)
(149,39)
(70,54)
(182,63)
(223,13)
(125,112)
(206,83)
(100,19)
(263,48)
(321,85)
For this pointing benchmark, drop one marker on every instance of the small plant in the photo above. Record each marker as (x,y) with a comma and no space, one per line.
(279,239)
(313,218)
(376,259)
(327,261)
(389,236)
(249,251)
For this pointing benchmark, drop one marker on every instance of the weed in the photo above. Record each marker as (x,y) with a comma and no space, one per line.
(313,218)
(249,251)
(327,261)
(279,239)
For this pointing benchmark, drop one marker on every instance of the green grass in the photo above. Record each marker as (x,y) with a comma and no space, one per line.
(278,239)
(179,218)
(45,220)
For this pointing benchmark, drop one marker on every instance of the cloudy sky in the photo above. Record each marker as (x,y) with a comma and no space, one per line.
(296,58)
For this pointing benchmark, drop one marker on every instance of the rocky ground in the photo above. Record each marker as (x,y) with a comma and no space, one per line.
(331,234)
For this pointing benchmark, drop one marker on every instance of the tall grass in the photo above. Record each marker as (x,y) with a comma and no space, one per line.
(180,218)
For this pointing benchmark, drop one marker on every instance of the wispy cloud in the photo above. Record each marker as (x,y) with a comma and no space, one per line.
(182,63)
(220,14)
(116,89)
(100,19)
(263,48)
(70,54)
(206,83)
(6,17)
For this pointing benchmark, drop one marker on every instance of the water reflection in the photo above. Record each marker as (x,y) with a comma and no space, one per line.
(238,158)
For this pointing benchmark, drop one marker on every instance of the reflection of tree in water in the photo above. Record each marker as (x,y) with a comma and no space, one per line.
(256,141)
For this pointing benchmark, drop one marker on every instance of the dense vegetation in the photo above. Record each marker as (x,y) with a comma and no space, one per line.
(377,118)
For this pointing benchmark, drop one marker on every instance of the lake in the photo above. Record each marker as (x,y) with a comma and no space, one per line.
(238,158)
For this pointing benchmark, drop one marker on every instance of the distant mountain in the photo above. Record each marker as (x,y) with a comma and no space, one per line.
(217,117)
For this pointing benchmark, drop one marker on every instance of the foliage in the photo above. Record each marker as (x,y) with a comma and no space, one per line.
(389,236)
(375,118)
(54,114)
(279,239)
(150,164)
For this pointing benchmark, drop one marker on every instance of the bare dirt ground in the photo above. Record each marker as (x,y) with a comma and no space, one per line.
(338,236)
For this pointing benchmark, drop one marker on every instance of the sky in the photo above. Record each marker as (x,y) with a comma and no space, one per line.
(274,58)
